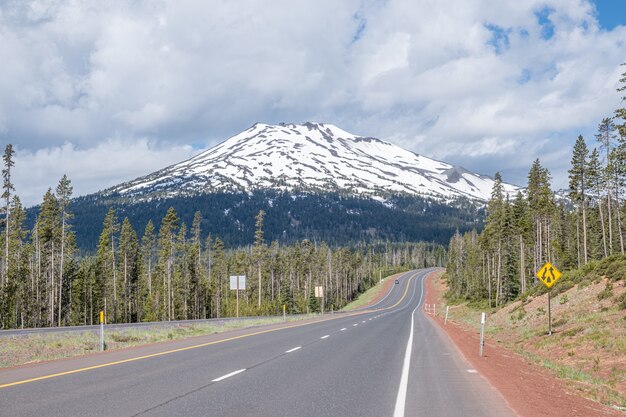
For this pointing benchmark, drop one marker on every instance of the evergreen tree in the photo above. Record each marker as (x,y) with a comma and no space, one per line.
(7,188)
(129,268)
(148,249)
(64,194)
(596,186)
(578,190)
(167,241)
(106,265)
(259,251)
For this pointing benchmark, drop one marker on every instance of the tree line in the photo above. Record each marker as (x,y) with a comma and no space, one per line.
(524,231)
(171,271)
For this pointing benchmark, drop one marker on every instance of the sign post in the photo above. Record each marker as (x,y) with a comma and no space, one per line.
(549,275)
(237,282)
(101,331)
(482,332)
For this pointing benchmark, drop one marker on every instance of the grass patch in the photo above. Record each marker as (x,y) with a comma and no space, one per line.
(367,297)
(19,350)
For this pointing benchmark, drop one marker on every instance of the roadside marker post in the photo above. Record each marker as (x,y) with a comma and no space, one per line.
(482,332)
(549,275)
(447,310)
(102,331)
(284,312)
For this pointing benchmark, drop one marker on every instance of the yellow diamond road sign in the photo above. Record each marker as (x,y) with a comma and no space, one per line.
(548,274)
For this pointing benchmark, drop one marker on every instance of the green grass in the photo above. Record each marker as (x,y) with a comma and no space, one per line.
(19,350)
(600,389)
(367,296)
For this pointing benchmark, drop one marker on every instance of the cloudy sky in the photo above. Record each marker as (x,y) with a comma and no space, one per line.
(106,91)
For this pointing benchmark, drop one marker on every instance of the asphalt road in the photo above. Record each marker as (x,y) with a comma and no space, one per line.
(389,360)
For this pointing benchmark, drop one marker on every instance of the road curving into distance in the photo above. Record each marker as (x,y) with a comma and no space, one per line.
(387,360)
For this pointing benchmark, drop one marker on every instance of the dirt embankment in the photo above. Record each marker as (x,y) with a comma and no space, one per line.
(530,389)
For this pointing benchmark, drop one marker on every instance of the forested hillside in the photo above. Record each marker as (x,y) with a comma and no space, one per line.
(524,231)
(320,217)
(171,268)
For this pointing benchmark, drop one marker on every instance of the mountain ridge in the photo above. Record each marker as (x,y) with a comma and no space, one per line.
(314,157)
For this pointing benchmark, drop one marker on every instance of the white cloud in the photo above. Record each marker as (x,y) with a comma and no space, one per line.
(90,170)
(487,84)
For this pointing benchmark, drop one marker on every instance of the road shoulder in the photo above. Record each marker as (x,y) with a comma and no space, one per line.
(530,390)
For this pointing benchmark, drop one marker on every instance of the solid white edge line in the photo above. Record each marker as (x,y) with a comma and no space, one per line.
(472,371)
(342,329)
(404,378)
(228,375)
(324,337)
(293,350)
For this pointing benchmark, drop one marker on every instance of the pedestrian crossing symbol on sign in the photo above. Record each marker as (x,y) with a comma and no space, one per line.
(548,274)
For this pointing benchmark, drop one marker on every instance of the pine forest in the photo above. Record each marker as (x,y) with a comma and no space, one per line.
(170,271)
(569,229)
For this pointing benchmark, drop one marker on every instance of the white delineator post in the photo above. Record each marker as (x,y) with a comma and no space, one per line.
(482,332)
(447,310)
(284,312)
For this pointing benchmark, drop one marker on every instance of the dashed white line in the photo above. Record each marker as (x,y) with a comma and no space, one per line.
(324,337)
(342,329)
(370,319)
(355,324)
(293,350)
(363,321)
(228,375)
(472,371)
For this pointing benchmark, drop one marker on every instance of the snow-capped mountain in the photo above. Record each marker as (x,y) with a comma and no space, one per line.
(311,157)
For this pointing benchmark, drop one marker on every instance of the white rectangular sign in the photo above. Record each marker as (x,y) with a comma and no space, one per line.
(233,282)
(319,292)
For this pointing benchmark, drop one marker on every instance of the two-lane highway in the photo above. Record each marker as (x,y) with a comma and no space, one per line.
(388,360)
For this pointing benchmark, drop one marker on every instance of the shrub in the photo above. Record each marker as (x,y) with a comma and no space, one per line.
(606,292)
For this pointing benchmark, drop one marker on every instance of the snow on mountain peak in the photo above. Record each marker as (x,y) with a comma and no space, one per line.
(313,157)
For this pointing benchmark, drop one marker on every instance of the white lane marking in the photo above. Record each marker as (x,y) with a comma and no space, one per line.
(472,371)
(370,319)
(355,324)
(293,350)
(228,375)
(342,329)
(404,378)
(363,321)
(324,337)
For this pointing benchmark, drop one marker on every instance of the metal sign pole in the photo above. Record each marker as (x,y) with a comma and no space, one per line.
(549,312)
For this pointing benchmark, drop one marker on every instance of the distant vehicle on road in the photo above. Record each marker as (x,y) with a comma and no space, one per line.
(397,282)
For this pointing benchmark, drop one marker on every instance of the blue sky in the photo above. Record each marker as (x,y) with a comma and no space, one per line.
(108,91)
(611,13)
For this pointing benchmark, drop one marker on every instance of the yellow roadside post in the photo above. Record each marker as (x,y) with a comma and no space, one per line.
(549,275)
(101,331)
